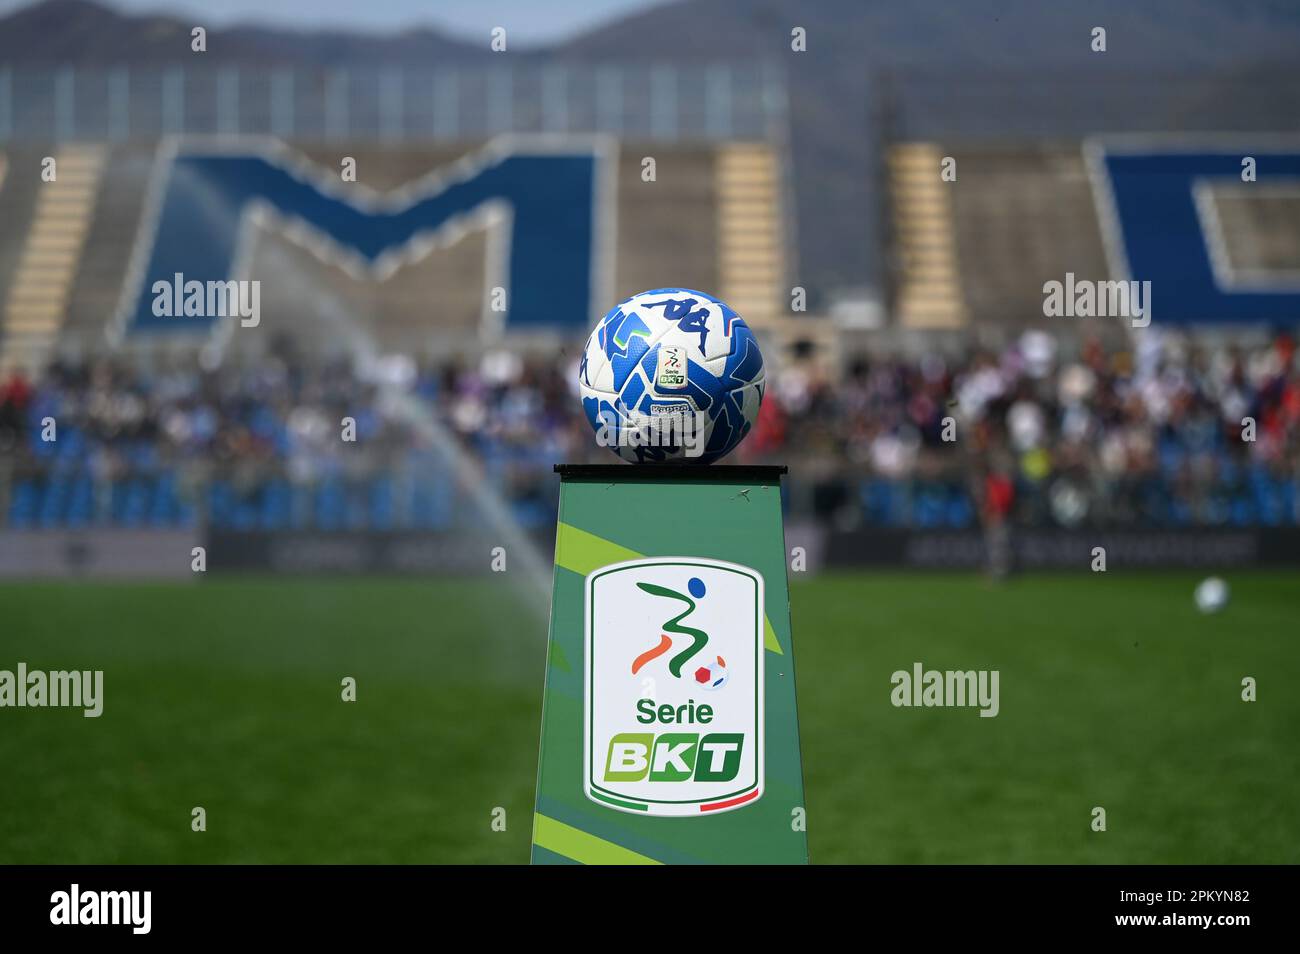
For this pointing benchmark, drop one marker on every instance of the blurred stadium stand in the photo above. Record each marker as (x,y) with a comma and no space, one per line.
(713,219)
(1023,216)
(1089,425)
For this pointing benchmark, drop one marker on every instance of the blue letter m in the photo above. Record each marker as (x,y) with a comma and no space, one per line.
(549,195)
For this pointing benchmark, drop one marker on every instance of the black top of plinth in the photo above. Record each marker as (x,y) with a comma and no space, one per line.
(757,473)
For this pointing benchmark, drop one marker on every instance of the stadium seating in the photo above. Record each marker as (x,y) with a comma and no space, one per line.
(976,251)
(711,218)
(970,259)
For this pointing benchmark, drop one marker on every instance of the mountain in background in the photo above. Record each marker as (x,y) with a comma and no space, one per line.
(977,68)
(1159,35)
(90,34)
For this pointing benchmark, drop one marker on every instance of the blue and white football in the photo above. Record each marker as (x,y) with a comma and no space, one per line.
(671,375)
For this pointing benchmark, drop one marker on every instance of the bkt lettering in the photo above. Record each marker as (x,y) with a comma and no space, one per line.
(674,757)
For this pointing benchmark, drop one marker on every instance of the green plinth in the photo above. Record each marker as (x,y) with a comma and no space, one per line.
(670,733)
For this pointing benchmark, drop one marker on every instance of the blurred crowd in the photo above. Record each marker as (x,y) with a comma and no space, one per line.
(1167,434)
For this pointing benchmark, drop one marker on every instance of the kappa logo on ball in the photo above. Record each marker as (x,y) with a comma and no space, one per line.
(674,686)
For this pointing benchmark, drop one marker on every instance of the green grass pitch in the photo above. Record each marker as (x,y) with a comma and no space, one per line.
(225,694)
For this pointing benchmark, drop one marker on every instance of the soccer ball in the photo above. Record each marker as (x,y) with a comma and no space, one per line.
(713,676)
(671,375)
(1211,595)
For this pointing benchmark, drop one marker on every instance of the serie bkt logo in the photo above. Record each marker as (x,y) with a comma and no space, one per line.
(674,686)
